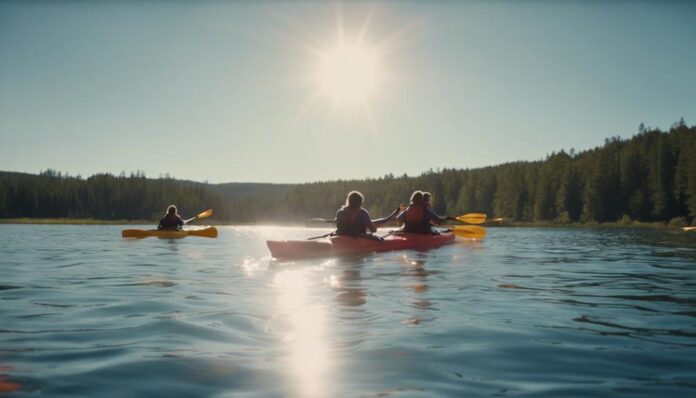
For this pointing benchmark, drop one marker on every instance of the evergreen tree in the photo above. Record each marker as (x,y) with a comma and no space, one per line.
(650,177)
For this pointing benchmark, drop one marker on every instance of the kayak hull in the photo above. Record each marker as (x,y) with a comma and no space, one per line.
(350,245)
(210,232)
(287,249)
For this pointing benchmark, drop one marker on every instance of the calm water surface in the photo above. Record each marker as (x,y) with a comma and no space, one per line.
(526,312)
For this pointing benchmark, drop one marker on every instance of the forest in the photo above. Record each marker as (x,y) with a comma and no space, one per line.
(650,177)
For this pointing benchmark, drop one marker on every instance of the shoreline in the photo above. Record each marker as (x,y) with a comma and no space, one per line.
(518,224)
(70,221)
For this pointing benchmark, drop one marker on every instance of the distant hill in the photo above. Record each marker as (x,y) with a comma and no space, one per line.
(236,190)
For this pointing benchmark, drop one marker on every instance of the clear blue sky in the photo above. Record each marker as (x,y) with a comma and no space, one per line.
(222,91)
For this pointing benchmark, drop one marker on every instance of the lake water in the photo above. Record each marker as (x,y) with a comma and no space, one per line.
(526,312)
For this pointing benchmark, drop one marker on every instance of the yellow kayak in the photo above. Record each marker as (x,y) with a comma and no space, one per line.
(210,232)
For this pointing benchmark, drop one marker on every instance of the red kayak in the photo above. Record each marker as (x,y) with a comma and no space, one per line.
(342,245)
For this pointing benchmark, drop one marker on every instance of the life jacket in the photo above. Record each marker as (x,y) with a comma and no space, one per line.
(416,221)
(170,221)
(347,223)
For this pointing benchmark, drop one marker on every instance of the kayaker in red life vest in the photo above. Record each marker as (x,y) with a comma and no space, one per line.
(418,216)
(352,219)
(171,220)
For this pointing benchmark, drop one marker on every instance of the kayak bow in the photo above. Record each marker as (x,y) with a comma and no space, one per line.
(210,232)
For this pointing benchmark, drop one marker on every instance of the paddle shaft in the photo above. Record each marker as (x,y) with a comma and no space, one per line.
(203,214)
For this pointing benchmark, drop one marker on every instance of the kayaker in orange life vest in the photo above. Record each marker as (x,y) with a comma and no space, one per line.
(418,216)
(171,220)
(352,219)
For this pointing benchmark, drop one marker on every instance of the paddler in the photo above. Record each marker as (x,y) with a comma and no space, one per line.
(171,220)
(418,216)
(353,219)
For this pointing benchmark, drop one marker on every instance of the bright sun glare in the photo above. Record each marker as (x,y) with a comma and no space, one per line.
(349,73)
(353,69)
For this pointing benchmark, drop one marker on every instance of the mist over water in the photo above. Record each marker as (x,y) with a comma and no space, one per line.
(526,312)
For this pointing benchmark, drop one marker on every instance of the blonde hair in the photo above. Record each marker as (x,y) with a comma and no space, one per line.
(354,199)
(171,209)
(417,197)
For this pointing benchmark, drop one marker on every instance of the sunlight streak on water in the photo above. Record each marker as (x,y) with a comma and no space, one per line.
(251,266)
(307,341)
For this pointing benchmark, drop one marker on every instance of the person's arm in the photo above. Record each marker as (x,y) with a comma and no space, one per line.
(436,218)
(179,222)
(381,221)
(371,226)
(364,218)
(402,215)
(337,216)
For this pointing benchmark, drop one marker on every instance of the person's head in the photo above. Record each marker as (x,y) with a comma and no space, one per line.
(417,197)
(426,198)
(354,199)
(171,209)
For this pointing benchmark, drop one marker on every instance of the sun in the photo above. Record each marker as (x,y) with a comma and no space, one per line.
(349,73)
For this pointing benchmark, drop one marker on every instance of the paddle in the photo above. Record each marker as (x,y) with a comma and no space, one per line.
(472,218)
(687,229)
(469,231)
(203,214)
(476,218)
(134,233)
(210,232)
(321,220)
(321,236)
(378,221)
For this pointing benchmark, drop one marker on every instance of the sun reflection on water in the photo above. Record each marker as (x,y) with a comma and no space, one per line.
(309,359)
(250,266)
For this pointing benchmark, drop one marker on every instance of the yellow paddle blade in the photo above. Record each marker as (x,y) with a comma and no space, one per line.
(472,218)
(469,231)
(205,214)
(687,229)
(134,233)
(210,232)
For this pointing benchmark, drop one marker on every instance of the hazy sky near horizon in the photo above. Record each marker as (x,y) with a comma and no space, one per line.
(238,91)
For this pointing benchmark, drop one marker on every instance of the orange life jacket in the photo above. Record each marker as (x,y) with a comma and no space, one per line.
(415,220)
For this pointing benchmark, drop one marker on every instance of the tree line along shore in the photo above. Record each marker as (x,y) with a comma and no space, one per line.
(646,180)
